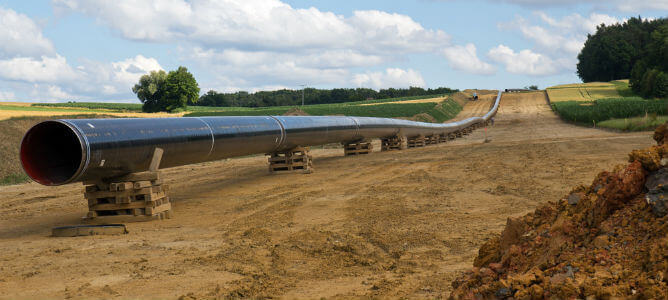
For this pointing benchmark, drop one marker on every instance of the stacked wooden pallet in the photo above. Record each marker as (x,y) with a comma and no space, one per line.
(297,159)
(357,148)
(416,142)
(432,140)
(393,143)
(132,198)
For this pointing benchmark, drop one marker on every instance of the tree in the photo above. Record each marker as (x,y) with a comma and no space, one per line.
(150,90)
(160,91)
(181,89)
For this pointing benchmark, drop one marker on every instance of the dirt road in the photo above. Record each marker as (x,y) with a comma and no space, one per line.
(387,224)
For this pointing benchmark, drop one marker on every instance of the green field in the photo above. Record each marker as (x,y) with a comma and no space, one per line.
(592,113)
(586,91)
(136,107)
(436,112)
(648,122)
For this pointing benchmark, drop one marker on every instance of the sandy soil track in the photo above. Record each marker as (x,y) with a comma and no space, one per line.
(388,224)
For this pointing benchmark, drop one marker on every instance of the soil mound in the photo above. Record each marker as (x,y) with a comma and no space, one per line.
(606,240)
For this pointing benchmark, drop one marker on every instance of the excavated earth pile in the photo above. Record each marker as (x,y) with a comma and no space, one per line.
(607,240)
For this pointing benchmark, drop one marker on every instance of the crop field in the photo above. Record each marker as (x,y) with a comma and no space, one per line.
(586,91)
(606,109)
(439,112)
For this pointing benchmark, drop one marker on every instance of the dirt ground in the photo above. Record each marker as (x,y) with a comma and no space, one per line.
(399,224)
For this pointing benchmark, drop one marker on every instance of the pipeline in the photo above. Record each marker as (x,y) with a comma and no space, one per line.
(62,151)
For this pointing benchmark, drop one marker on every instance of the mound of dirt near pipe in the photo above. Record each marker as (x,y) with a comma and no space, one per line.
(603,241)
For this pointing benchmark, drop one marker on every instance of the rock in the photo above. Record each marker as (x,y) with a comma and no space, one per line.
(656,179)
(657,201)
(574,198)
(536,292)
(503,293)
(488,253)
(661,133)
(496,267)
(601,241)
(515,228)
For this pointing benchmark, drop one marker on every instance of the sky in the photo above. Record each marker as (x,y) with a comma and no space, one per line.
(96,50)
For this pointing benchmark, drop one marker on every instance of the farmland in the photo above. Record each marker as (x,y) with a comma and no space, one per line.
(606,104)
(586,91)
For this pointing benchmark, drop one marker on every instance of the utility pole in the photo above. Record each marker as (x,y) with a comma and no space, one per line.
(302,85)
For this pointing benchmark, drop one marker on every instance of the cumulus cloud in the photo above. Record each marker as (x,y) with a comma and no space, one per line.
(258,24)
(20,36)
(465,58)
(30,63)
(525,61)
(392,77)
(556,42)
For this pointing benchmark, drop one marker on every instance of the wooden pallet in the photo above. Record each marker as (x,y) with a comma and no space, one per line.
(443,138)
(297,159)
(415,142)
(393,143)
(132,198)
(432,140)
(357,148)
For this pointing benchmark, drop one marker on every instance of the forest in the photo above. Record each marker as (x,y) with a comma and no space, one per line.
(636,50)
(287,97)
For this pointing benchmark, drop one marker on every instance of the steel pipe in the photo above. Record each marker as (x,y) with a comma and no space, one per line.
(57,152)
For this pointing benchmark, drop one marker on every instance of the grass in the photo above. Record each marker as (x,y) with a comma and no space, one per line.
(15,178)
(648,122)
(592,113)
(136,107)
(438,112)
(587,91)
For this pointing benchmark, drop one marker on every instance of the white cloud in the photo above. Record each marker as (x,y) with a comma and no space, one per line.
(525,62)
(44,69)
(465,58)
(392,77)
(20,36)
(619,5)
(565,36)
(258,24)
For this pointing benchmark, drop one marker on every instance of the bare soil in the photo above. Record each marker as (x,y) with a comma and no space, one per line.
(390,224)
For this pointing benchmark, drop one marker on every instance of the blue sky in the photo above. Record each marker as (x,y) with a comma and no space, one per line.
(87,50)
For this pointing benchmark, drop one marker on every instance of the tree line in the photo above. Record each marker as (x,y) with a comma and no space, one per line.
(636,49)
(287,97)
(173,91)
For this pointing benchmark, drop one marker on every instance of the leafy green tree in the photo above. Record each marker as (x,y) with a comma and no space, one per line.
(160,91)
(180,89)
(150,90)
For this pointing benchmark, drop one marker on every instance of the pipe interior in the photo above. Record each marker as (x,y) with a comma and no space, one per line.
(51,153)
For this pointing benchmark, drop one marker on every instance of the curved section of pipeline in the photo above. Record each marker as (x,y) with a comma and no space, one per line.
(63,151)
